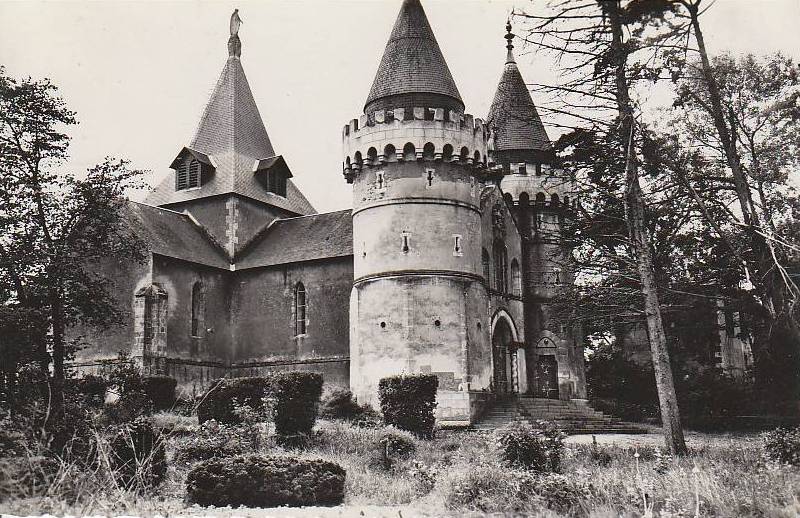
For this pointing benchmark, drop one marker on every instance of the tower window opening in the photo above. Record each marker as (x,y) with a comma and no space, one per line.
(389,153)
(429,176)
(500,266)
(405,242)
(429,151)
(516,279)
(276,183)
(464,154)
(538,169)
(457,245)
(372,156)
(409,152)
(523,169)
(300,306)
(486,266)
(380,180)
(188,174)
(447,153)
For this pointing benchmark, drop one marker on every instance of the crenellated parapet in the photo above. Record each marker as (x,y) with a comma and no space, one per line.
(397,135)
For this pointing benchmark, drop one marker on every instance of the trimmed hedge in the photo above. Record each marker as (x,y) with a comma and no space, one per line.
(409,402)
(296,398)
(293,396)
(218,402)
(256,481)
(139,458)
(160,390)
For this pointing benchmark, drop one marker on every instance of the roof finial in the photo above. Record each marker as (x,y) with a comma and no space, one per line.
(234,43)
(510,45)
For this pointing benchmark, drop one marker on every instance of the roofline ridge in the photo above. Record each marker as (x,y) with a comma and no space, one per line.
(157,207)
(257,236)
(278,220)
(207,234)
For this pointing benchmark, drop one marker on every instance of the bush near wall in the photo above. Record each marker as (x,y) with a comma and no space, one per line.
(218,402)
(409,402)
(292,396)
(93,388)
(536,448)
(339,404)
(138,456)
(257,481)
(295,398)
(160,390)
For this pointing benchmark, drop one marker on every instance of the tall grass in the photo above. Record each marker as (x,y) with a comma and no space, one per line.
(459,473)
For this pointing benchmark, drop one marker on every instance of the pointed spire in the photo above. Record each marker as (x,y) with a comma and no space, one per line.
(413,70)
(513,115)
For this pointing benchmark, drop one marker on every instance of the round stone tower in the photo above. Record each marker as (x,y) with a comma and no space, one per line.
(415,161)
(541,198)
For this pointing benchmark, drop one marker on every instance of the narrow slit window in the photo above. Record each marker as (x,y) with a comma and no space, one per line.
(457,251)
(380,181)
(429,176)
(300,309)
(405,243)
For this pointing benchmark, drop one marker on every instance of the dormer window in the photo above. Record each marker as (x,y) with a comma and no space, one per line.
(188,174)
(276,183)
(192,169)
(273,174)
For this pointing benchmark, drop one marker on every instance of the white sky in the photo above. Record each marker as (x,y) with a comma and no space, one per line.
(139,73)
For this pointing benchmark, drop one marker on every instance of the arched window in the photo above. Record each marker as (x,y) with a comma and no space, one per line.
(409,152)
(476,157)
(486,269)
(516,279)
(429,151)
(500,267)
(299,309)
(389,153)
(198,310)
(540,197)
(554,199)
(447,152)
(187,174)
(464,155)
(358,160)
(524,199)
(372,156)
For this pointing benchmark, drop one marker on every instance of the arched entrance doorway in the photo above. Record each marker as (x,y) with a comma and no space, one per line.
(506,364)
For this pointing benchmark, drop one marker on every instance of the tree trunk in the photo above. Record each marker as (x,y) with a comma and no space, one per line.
(634,212)
(56,382)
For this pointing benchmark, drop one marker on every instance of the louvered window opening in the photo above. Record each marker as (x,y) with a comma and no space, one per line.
(188,175)
(276,183)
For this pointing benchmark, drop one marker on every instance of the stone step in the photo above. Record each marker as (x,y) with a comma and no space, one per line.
(569,417)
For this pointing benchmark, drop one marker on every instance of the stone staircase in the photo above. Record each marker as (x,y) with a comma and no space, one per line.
(570,417)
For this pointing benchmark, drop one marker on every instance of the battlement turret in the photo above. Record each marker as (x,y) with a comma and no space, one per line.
(400,134)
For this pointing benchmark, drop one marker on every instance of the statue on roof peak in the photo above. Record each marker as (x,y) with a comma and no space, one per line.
(236,21)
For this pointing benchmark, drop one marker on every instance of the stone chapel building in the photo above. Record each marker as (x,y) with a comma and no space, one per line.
(448,262)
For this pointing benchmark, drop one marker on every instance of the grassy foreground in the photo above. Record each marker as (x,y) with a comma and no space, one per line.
(458,474)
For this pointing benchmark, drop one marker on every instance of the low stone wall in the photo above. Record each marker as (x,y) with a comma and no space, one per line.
(460,409)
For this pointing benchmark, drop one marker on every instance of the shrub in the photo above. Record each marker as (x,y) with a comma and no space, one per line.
(160,390)
(93,388)
(296,398)
(408,402)
(783,445)
(533,448)
(138,456)
(368,418)
(219,402)
(395,446)
(339,404)
(257,481)
(130,406)
(213,440)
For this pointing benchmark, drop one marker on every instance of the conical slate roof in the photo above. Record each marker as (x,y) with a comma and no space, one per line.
(412,64)
(513,116)
(232,133)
